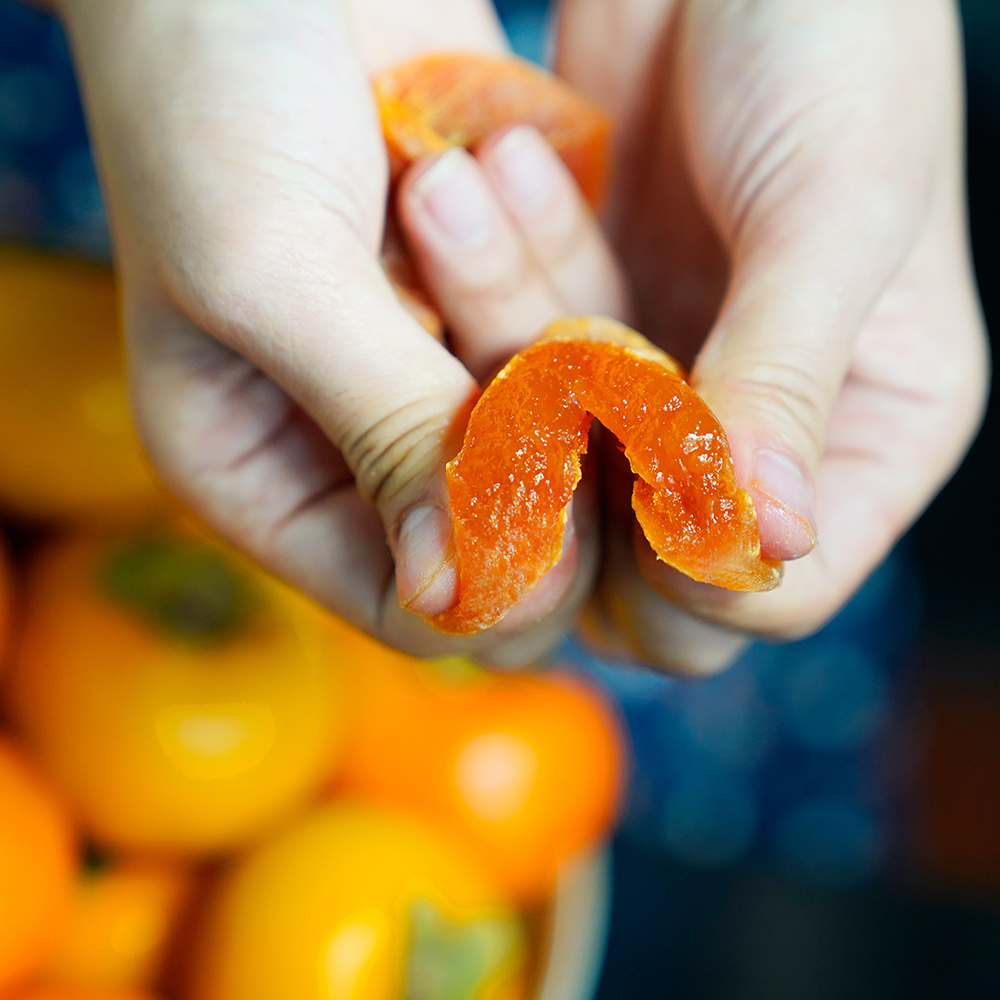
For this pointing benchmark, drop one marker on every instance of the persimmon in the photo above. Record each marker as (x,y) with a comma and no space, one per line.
(457,99)
(509,485)
(68,450)
(37,862)
(73,993)
(120,924)
(528,769)
(182,700)
(354,901)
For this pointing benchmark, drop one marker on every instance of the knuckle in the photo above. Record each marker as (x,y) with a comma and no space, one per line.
(392,454)
(789,399)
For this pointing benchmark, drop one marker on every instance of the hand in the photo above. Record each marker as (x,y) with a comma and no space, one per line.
(280,387)
(789,206)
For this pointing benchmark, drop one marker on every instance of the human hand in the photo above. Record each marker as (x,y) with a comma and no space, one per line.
(281,389)
(789,206)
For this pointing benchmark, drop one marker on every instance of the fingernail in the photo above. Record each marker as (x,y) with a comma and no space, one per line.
(524,168)
(783,497)
(426,575)
(457,199)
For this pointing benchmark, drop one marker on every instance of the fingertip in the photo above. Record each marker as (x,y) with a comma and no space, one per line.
(784,533)
(783,496)
(439,594)
(448,199)
(524,169)
(426,573)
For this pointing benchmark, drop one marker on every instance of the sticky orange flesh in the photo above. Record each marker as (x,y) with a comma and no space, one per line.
(520,462)
(456,99)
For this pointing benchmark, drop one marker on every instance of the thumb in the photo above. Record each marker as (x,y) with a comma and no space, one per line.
(817,189)
(245,172)
(391,399)
(777,358)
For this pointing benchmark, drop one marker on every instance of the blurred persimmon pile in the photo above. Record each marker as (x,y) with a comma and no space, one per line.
(209,788)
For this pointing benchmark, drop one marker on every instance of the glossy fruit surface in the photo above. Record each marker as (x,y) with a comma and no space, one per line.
(68,450)
(457,99)
(520,462)
(358,903)
(528,769)
(180,699)
(37,862)
(119,926)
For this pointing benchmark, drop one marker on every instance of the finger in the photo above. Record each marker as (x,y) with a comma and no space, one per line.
(236,224)
(259,470)
(654,629)
(554,221)
(470,258)
(503,261)
(819,190)
(537,622)
(662,633)
(903,419)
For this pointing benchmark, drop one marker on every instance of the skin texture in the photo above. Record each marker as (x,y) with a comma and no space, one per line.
(789,213)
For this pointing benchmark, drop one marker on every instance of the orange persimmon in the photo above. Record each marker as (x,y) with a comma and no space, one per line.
(520,462)
(182,700)
(120,925)
(528,769)
(37,860)
(457,99)
(68,449)
(355,902)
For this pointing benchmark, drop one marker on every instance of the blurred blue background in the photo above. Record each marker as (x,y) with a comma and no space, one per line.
(782,835)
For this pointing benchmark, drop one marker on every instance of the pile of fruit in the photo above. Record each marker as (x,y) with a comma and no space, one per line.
(209,788)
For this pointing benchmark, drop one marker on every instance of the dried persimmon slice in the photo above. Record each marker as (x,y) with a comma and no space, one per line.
(520,462)
(458,98)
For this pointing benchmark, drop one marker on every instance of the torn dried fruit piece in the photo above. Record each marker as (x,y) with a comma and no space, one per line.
(456,99)
(520,462)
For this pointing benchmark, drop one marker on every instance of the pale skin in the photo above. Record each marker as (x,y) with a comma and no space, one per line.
(788,213)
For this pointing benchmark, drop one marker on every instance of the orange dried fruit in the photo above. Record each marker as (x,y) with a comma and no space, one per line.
(520,462)
(456,99)
(432,103)
(37,861)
